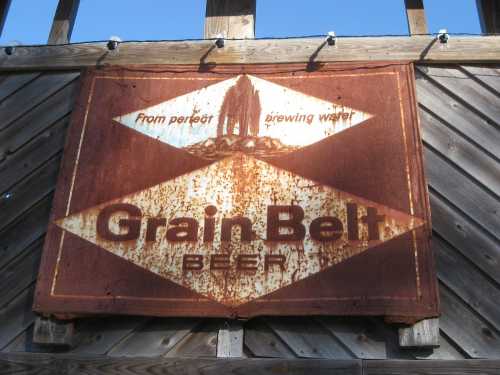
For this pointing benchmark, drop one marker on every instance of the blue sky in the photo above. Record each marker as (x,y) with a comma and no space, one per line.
(29,20)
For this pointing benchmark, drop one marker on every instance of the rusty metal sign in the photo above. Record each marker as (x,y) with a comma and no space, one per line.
(242,191)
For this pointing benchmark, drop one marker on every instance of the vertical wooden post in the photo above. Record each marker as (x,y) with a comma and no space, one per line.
(415,13)
(4,9)
(231,18)
(63,23)
(489,15)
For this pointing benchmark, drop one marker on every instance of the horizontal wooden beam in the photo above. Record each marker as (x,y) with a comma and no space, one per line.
(64,364)
(30,363)
(416,48)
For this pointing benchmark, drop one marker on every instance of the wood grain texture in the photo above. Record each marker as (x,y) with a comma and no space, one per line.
(415,14)
(37,120)
(16,316)
(431,367)
(487,75)
(155,338)
(64,364)
(28,228)
(458,115)
(489,15)
(48,331)
(63,23)
(421,334)
(479,205)
(307,339)
(473,287)
(34,188)
(4,10)
(261,341)
(31,95)
(10,83)
(482,250)
(416,48)
(232,19)
(230,340)
(470,332)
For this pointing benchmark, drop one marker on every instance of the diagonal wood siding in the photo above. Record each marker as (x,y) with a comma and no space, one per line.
(460,121)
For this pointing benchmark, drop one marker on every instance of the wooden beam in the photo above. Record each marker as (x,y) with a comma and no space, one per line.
(230,340)
(415,13)
(35,363)
(4,9)
(233,19)
(424,334)
(63,23)
(418,48)
(489,15)
(431,367)
(66,364)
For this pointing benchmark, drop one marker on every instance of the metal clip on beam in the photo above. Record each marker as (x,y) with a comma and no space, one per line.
(443,36)
(331,38)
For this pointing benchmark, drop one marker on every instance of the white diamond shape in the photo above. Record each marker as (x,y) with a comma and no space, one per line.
(296,119)
(238,186)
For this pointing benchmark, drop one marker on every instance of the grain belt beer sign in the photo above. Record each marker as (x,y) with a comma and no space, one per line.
(241,191)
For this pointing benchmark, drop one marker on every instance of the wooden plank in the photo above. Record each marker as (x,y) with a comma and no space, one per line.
(471,92)
(473,242)
(37,120)
(446,351)
(15,239)
(97,336)
(421,334)
(34,154)
(230,340)
(48,331)
(434,367)
(4,10)
(360,335)
(462,325)
(416,48)
(232,19)
(483,208)
(415,13)
(488,75)
(463,153)
(21,273)
(63,23)
(13,82)
(467,282)
(66,364)
(200,342)
(34,188)
(261,341)
(154,338)
(307,338)
(457,115)
(31,95)
(16,316)
(489,15)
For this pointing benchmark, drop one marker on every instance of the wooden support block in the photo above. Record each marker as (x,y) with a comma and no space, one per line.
(48,331)
(64,19)
(230,340)
(415,13)
(232,19)
(4,9)
(422,334)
